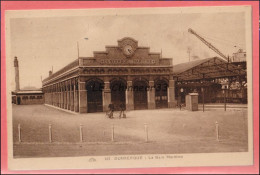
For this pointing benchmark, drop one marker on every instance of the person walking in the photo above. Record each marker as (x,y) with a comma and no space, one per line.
(111,108)
(122,111)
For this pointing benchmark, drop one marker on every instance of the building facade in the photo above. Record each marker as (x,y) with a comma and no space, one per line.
(239,56)
(124,74)
(28,97)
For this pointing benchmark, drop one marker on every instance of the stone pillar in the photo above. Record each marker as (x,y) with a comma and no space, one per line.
(48,96)
(65,95)
(61,96)
(82,98)
(52,95)
(76,100)
(151,95)
(129,96)
(106,93)
(55,95)
(171,94)
(68,95)
(71,96)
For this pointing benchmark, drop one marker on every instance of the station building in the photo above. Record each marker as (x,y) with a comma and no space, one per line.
(131,75)
(123,74)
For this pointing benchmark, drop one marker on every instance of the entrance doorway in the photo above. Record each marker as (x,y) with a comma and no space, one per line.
(18,100)
(118,88)
(161,95)
(140,95)
(94,96)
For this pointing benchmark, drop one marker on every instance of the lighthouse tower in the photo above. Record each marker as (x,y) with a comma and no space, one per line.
(16,67)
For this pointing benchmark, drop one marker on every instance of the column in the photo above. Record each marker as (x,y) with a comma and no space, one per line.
(65,95)
(76,100)
(55,95)
(52,95)
(82,98)
(71,95)
(48,95)
(106,93)
(68,95)
(59,95)
(129,96)
(171,94)
(151,95)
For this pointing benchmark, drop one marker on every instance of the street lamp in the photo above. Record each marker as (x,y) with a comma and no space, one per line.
(78,45)
(181,91)
(224,92)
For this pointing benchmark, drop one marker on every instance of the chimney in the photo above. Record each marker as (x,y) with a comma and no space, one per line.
(16,68)
(50,73)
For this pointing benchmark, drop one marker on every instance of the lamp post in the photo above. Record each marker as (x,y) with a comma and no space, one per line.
(224,92)
(78,45)
(181,91)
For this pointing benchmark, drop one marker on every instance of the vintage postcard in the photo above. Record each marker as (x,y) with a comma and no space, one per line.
(129,88)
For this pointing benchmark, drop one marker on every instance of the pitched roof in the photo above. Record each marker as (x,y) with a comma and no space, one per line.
(179,68)
(207,68)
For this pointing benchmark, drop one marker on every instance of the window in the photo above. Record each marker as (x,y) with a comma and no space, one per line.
(32,97)
(25,97)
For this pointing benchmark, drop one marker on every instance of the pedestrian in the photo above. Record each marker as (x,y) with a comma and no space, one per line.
(122,111)
(111,108)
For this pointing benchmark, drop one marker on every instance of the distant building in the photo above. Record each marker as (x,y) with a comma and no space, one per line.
(28,95)
(239,56)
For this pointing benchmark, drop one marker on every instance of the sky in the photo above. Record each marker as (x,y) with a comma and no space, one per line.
(46,42)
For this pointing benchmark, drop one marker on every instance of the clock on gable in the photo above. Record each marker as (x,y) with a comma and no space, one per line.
(128,50)
(128,46)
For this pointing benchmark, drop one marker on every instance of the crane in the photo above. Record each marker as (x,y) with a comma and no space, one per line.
(208,44)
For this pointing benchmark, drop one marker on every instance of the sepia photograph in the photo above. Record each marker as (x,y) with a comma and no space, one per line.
(125,88)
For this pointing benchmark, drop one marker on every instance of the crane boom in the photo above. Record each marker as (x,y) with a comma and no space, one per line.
(208,44)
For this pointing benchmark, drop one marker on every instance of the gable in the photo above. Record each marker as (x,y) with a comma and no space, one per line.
(127,52)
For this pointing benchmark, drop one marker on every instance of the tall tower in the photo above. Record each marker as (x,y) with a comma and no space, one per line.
(16,68)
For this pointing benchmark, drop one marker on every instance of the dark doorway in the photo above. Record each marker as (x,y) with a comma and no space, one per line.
(140,95)
(18,100)
(161,95)
(118,88)
(94,96)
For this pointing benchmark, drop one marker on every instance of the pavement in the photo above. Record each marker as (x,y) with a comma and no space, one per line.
(167,131)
